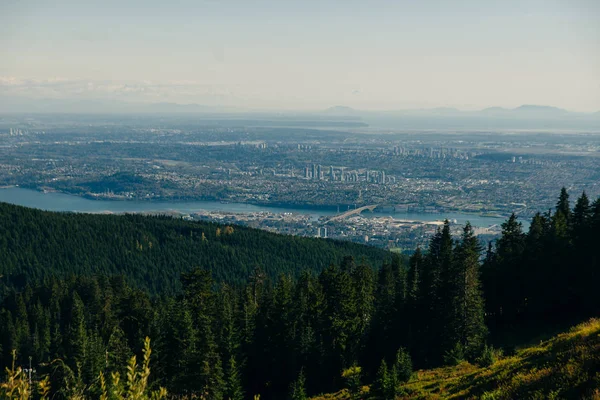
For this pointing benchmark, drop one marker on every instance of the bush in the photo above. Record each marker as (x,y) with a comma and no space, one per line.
(488,356)
(454,356)
(352,377)
(133,387)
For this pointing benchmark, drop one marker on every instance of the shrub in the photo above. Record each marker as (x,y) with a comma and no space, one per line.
(488,356)
(352,377)
(134,387)
(454,356)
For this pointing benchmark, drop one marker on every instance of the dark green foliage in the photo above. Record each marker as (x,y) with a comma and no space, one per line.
(151,252)
(454,355)
(489,356)
(297,389)
(233,383)
(552,271)
(467,325)
(352,376)
(403,365)
(384,386)
(291,334)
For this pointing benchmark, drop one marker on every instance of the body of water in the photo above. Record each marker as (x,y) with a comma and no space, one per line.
(53,201)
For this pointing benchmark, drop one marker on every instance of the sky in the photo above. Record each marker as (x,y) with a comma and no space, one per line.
(305,54)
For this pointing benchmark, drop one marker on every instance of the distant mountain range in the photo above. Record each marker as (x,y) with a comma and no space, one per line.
(442,118)
(10,104)
(525,117)
(526,110)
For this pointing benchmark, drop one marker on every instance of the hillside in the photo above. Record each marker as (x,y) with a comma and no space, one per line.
(565,367)
(152,251)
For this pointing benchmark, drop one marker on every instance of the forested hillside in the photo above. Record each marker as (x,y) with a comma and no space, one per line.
(151,252)
(348,325)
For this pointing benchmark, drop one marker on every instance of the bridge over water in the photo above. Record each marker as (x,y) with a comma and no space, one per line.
(349,213)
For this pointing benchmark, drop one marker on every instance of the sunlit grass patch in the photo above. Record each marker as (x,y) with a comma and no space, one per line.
(566,366)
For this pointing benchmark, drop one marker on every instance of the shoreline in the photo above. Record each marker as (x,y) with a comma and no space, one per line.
(297,208)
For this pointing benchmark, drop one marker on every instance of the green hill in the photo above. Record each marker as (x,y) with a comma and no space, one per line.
(566,366)
(152,251)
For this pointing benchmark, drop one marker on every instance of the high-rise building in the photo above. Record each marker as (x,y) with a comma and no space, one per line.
(319,172)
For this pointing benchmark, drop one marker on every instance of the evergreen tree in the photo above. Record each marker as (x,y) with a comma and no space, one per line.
(413,297)
(383,386)
(233,387)
(362,281)
(403,365)
(582,215)
(382,337)
(206,362)
(506,269)
(77,335)
(117,351)
(338,320)
(297,388)
(309,301)
(562,205)
(435,287)
(467,326)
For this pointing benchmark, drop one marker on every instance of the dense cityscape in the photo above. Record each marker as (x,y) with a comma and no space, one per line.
(485,174)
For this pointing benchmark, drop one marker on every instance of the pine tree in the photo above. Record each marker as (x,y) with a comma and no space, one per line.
(23,343)
(578,273)
(382,340)
(338,318)
(467,326)
(413,297)
(435,286)
(77,337)
(206,362)
(582,215)
(233,386)
(508,271)
(562,206)
(403,365)
(308,310)
(298,388)
(383,386)
(536,281)
(362,281)
(117,350)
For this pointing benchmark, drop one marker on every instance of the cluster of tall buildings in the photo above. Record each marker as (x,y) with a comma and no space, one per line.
(432,152)
(317,172)
(322,232)
(16,132)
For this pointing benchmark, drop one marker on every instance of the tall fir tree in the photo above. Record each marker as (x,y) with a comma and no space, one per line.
(467,325)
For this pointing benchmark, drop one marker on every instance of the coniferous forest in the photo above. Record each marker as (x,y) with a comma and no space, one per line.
(235,312)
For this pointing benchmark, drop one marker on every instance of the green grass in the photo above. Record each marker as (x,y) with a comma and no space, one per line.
(564,367)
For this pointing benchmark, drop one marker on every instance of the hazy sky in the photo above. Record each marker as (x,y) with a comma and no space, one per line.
(305,54)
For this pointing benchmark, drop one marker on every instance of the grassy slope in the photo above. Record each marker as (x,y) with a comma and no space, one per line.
(564,367)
